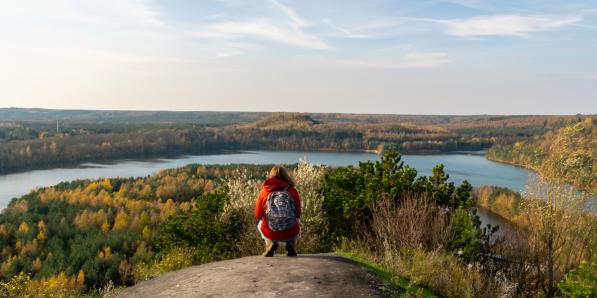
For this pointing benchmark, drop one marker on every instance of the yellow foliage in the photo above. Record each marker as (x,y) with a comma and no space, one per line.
(55,286)
(144,218)
(106,253)
(88,219)
(145,191)
(80,221)
(568,154)
(91,187)
(134,205)
(185,206)
(15,287)
(167,209)
(41,236)
(107,185)
(5,266)
(3,231)
(20,206)
(29,248)
(81,278)
(105,227)
(36,265)
(23,228)
(121,222)
(209,186)
(122,192)
(41,225)
(147,233)
(173,260)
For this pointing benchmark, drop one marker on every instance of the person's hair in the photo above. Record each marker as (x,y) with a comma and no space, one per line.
(281,173)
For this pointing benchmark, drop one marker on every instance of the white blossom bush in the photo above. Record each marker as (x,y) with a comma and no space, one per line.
(308,178)
(243,191)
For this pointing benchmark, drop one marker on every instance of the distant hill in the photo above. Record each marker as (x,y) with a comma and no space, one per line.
(101,116)
(284,121)
(226,118)
(568,154)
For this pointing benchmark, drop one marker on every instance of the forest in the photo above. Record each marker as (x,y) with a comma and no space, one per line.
(88,237)
(568,154)
(46,152)
(104,135)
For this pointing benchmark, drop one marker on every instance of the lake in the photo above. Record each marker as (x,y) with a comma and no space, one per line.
(460,166)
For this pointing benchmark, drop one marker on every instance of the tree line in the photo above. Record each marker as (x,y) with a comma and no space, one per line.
(38,146)
(54,151)
(568,154)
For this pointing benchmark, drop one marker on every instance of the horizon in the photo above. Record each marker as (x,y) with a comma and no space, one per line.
(291,112)
(434,57)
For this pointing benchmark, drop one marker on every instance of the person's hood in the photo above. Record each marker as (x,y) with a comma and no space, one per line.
(274,184)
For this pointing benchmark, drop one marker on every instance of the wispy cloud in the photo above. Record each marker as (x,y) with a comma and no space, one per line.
(413,60)
(289,32)
(343,31)
(505,25)
(475,4)
(96,31)
(262,29)
(98,12)
(296,20)
(586,26)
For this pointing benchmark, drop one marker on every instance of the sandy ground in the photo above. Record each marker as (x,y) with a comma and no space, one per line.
(321,275)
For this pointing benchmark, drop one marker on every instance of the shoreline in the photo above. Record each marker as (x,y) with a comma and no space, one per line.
(175,155)
(540,175)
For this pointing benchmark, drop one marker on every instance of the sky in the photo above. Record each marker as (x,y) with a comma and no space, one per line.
(373,56)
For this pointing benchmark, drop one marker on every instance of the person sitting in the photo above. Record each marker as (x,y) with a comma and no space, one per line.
(277,212)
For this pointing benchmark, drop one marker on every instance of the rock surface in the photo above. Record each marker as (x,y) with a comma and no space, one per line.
(321,275)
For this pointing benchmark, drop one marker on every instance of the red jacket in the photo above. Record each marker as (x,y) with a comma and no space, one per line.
(270,185)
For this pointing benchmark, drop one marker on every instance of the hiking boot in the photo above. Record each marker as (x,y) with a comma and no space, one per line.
(270,248)
(290,249)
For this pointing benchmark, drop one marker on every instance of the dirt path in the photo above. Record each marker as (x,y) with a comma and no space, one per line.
(322,275)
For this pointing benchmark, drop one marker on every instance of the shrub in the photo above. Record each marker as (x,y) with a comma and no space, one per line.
(313,226)
(242,193)
(16,286)
(441,272)
(211,238)
(22,285)
(176,258)
(416,222)
(581,281)
(555,234)
(466,237)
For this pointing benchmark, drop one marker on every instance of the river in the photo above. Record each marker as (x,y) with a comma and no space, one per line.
(460,166)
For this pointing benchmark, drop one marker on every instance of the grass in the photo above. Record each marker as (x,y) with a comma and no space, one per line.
(409,289)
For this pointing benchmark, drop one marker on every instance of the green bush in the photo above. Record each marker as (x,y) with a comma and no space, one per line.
(349,192)
(174,259)
(581,281)
(211,238)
